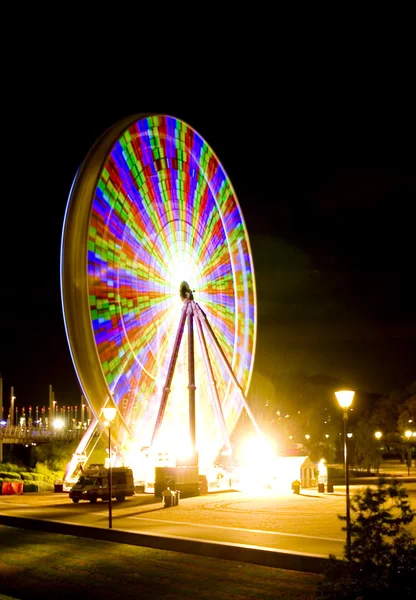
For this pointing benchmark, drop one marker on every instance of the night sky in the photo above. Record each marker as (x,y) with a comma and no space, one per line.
(328,196)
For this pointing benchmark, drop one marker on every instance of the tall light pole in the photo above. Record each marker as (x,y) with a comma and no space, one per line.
(109,414)
(345,398)
(408,435)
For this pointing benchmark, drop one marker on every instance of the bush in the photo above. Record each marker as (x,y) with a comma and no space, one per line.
(30,487)
(42,478)
(383,553)
(46,474)
(10,475)
(39,477)
(9,467)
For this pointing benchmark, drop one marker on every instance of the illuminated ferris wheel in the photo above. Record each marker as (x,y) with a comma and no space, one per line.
(158,291)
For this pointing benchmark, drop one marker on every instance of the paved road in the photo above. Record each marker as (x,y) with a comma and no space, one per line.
(306,523)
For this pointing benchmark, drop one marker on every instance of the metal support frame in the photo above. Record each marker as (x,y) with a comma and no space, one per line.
(213,385)
(192,311)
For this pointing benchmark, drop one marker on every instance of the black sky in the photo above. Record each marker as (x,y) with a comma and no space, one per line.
(327,189)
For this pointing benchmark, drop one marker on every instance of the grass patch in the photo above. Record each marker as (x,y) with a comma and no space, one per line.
(40,565)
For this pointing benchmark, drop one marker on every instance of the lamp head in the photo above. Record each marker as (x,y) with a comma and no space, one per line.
(408,434)
(345,398)
(109,413)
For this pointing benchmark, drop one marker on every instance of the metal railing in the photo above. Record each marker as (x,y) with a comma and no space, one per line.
(15,434)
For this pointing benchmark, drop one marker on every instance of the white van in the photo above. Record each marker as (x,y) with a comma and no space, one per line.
(93,484)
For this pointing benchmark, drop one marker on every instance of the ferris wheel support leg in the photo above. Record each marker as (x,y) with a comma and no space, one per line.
(81,449)
(203,318)
(191,377)
(169,375)
(213,385)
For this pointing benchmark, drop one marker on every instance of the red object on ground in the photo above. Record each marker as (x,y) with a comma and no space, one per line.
(12,487)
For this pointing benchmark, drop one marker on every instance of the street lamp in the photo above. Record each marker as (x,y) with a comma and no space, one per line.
(345,398)
(109,414)
(378,435)
(408,435)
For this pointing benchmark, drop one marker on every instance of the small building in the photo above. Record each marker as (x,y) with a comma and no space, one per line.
(309,473)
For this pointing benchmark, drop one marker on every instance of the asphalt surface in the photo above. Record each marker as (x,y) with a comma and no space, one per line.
(305,523)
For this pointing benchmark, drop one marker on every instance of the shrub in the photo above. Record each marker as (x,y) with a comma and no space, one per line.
(30,487)
(383,552)
(9,467)
(39,477)
(10,475)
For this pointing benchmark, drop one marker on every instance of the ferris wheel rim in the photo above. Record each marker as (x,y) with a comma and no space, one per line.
(74,262)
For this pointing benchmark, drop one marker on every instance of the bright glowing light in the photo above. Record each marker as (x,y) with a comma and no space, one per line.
(182,267)
(345,398)
(323,471)
(109,413)
(378,434)
(307,436)
(408,434)
(257,463)
(349,435)
(58,424)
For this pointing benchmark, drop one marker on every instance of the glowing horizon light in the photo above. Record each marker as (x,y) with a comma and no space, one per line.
(157,209)
(58,424)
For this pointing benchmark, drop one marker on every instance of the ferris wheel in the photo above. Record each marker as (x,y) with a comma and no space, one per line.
(155,250)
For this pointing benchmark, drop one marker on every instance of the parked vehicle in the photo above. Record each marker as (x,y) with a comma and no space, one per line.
(93,484)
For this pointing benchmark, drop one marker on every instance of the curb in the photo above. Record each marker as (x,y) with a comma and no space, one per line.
(267,557)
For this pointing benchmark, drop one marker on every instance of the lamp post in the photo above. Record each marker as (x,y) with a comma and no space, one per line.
(345,398)
(408,435)
(109,414)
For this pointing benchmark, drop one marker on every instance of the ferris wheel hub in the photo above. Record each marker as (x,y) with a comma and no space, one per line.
(185,291)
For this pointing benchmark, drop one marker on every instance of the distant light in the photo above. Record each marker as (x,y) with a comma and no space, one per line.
(327,435)
(3,422)
(58,424)
(378,434)
(307,436)
(408,434)
(349,435)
